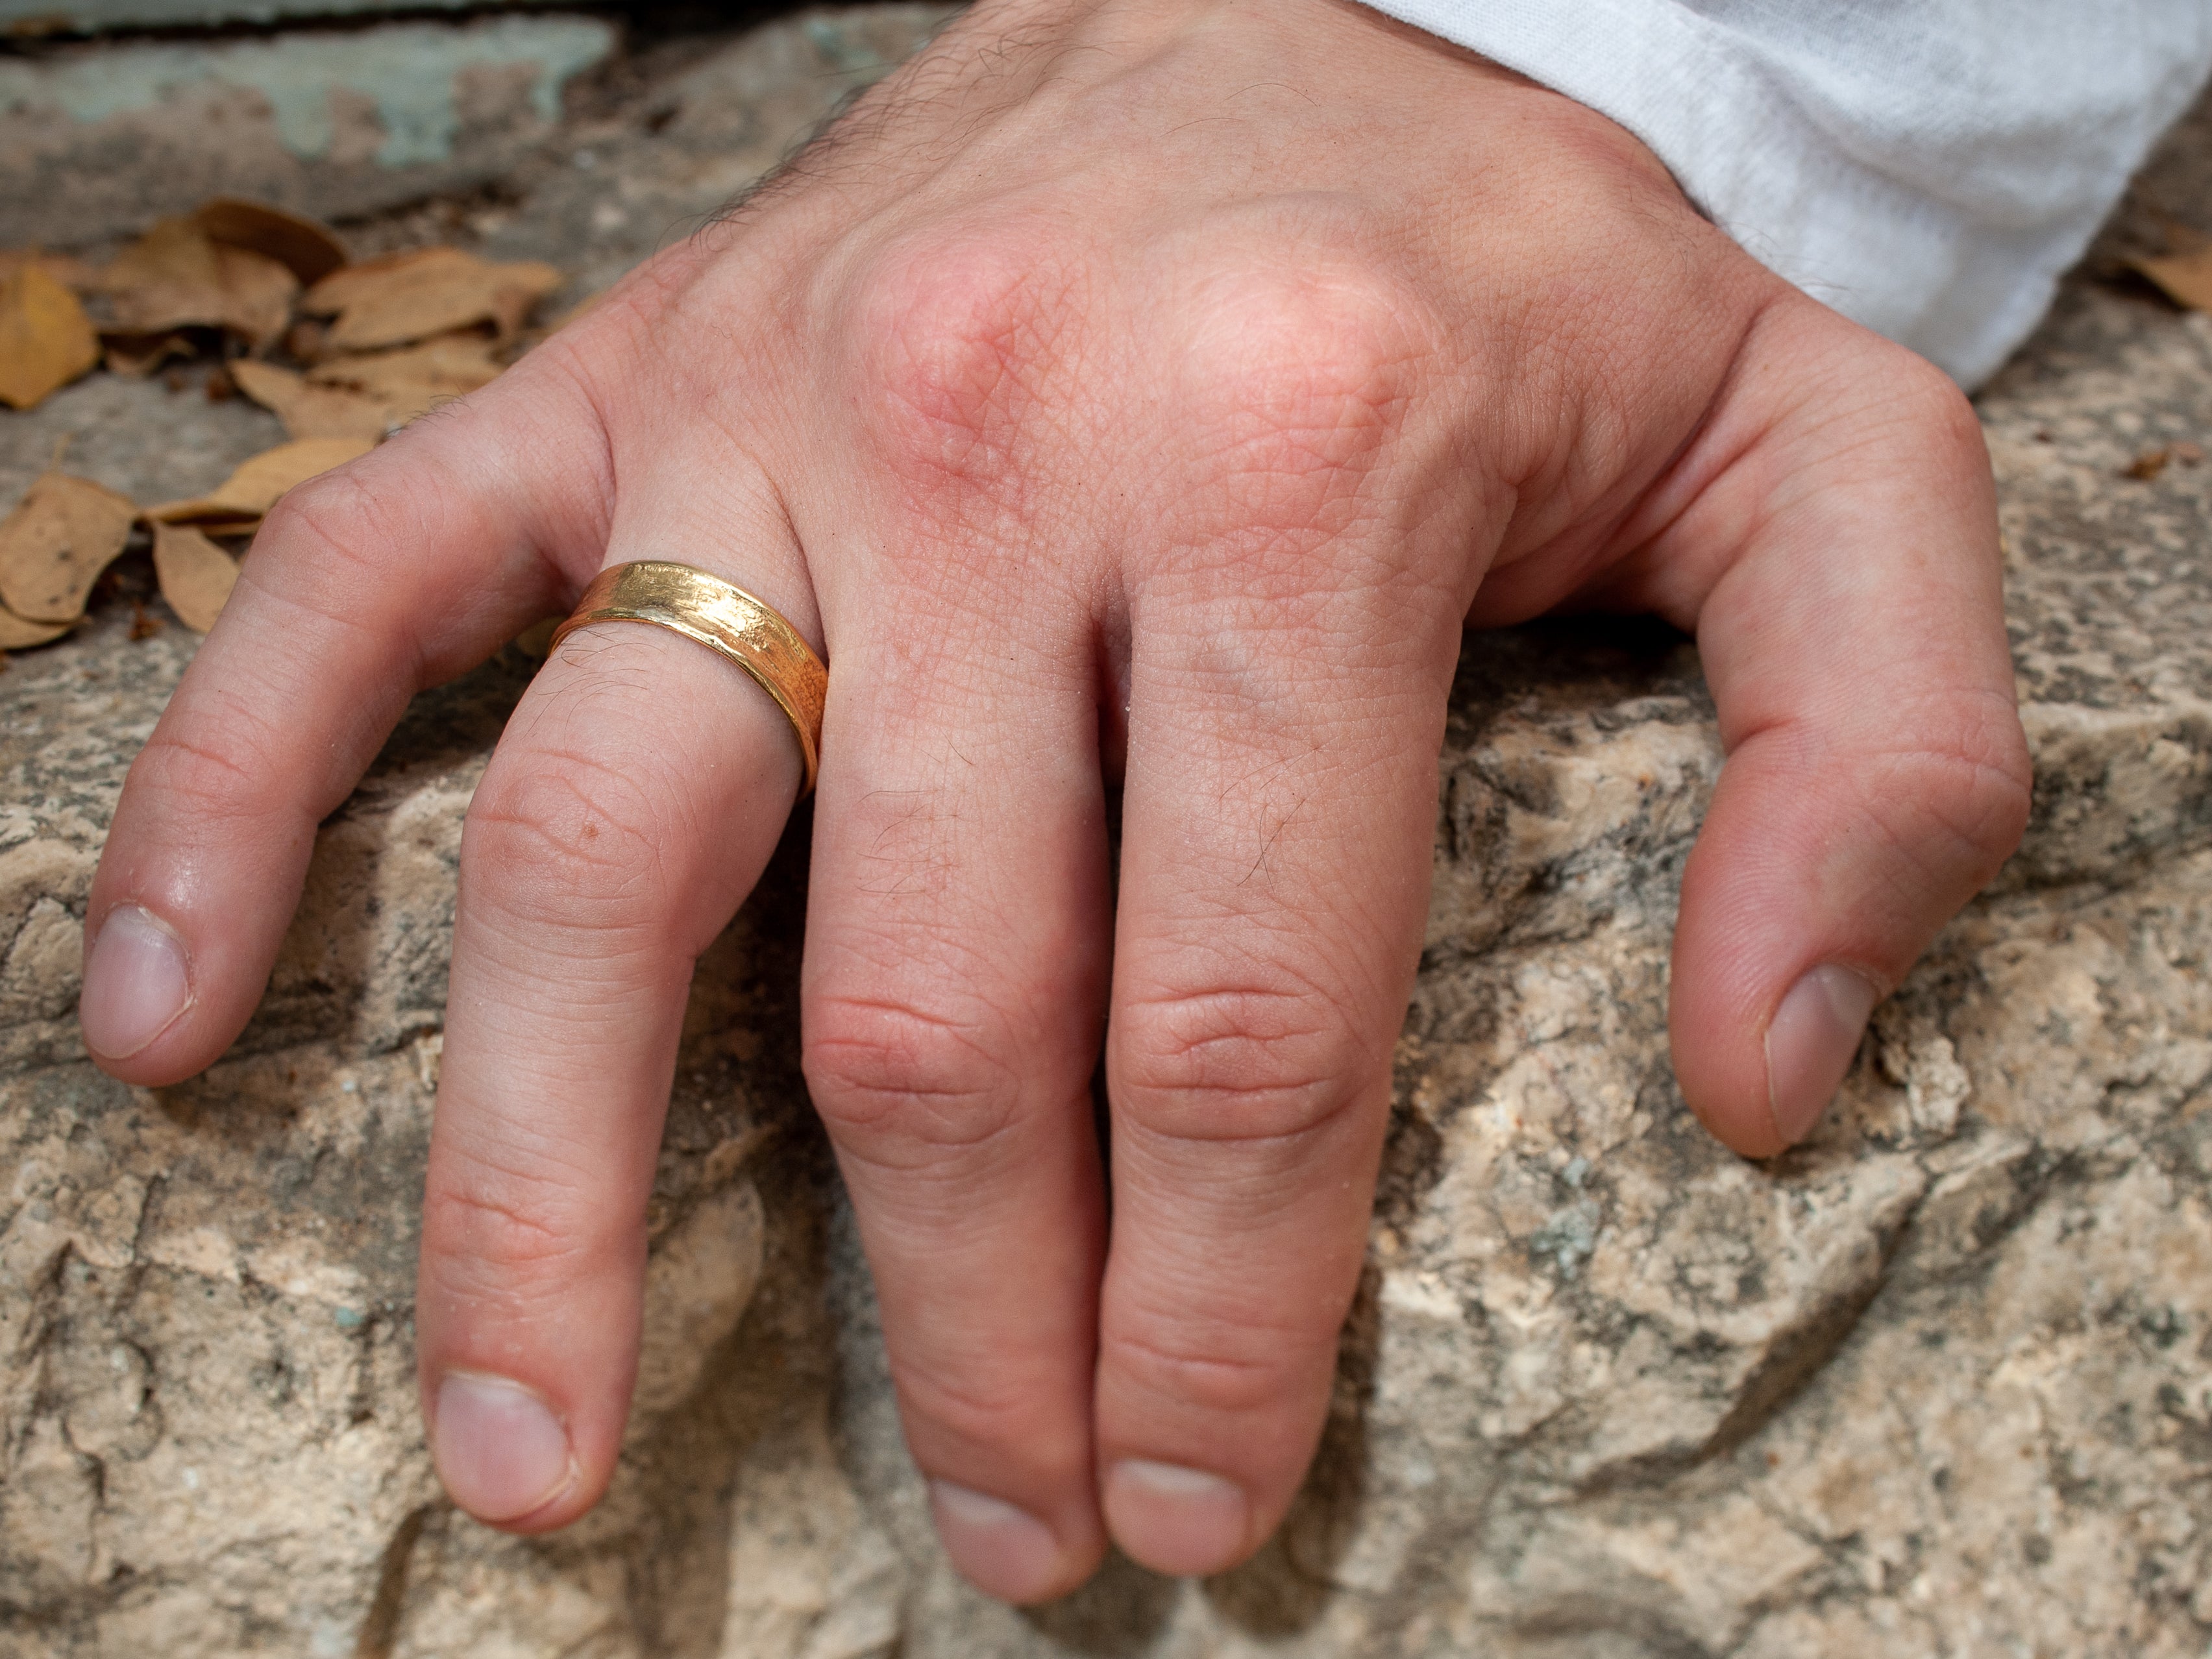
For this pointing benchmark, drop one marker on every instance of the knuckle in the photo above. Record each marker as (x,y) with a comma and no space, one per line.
(1968,785)
(1889,400)
(206,767)
(568,840)
(904,1085)
(340,518)
(323,554)
(1236,1369)
(966,1407)
(960,334)
(1932,400)
(1299,372)
(1251,1064)
(497,1229)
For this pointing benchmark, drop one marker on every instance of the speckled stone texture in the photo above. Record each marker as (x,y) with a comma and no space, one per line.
(1936,1383)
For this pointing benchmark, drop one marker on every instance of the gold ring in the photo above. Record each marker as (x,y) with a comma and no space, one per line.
(722,618)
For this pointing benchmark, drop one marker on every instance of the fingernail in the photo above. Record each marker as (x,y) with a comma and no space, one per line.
(1002,1551)
(136,983)
(1810,1046)
(1174,1520)
(498,1449)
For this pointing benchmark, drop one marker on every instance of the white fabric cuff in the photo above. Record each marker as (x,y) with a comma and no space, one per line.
(1928,167)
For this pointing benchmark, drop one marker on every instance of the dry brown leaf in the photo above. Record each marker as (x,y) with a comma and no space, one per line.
(253,489)
(307,340)
(195,575)
(405,297)
(173,276)
(535,641)
(2186,278)
(21,632)
(448,365)
(69,273)
(53,546)
(45,339)
(136,356)
(307,247)
(309,410)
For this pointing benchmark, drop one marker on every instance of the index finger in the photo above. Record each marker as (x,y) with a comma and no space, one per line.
(365,586)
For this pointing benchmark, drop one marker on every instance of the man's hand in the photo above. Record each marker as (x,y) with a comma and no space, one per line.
(1166,380)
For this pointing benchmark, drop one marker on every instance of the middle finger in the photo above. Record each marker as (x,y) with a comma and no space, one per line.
(954,988)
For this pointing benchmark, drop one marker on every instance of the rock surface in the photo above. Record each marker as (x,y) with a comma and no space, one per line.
(1938,1383)
(101,140)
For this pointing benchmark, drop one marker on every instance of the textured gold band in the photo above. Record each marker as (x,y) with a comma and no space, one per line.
(723,618)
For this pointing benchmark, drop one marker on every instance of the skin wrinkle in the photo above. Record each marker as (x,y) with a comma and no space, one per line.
(559,842)
(180,760)
(365,503)
(1214,1381)
(957,1403)
(964,337)
(373,711)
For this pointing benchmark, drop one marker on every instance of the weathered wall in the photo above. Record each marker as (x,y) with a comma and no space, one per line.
(36,19)
(1938,1383)
(101,140)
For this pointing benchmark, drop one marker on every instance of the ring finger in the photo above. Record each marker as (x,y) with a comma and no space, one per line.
(639,791)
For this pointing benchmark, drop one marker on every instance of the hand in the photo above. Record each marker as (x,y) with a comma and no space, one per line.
(1158,379)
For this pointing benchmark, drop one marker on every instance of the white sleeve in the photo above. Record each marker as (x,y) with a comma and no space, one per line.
(1928,167)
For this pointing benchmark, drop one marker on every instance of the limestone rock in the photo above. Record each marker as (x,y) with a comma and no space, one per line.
(1933,1383)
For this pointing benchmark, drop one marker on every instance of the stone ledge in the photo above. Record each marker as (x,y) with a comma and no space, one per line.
(1932,1383)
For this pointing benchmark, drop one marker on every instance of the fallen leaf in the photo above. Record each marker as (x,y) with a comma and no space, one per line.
(307,247)
(173,276)
(307,340)
(221,529)
(53,546)
(449,365)
(45,339)
(21,632)
(253,489)
(136,356)
(410,297)
(69,273)
(2186,278)
(195,575)
(535,641)
(309,410)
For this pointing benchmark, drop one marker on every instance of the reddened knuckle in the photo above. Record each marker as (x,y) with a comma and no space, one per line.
(1300,368)
(905,1084)
(960,334)
(1250,1064)
(568,840)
